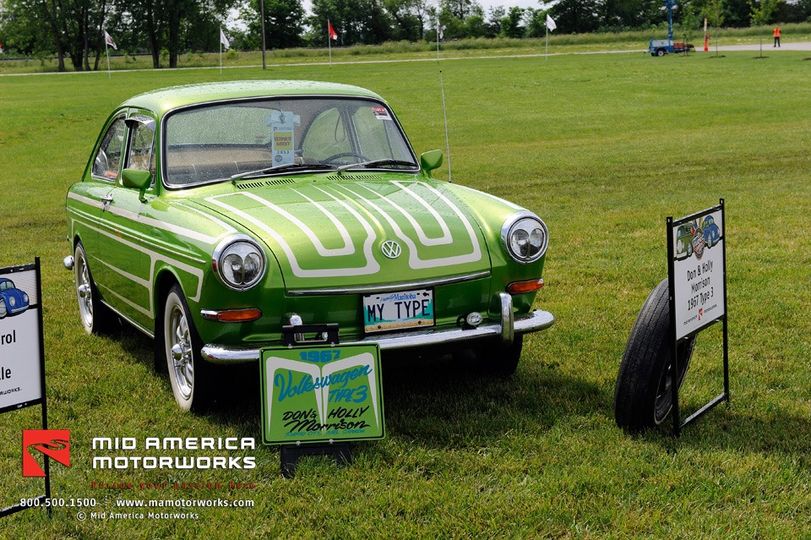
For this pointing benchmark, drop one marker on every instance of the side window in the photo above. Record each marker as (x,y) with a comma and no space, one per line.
(140,152)
(326,137)
(107,162)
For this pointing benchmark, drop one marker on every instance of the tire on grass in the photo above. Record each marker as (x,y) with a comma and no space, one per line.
(96,318)
(191,377)
(643,397)
(501,360)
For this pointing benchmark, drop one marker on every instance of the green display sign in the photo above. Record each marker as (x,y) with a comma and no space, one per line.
(321,394)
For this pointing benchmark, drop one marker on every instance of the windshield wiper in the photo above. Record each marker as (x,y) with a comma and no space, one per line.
(375,163)
(282,168)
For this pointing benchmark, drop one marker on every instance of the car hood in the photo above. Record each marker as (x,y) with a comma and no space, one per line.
(348,232)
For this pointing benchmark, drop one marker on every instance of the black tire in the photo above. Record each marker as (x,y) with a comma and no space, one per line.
(643,393)
(500,360)
(190,377)
(660,52)
(96,318)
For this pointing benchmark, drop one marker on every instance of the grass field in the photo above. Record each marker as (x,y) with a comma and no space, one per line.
(603,148)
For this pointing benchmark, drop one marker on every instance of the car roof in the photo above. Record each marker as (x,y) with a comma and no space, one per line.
(165,99)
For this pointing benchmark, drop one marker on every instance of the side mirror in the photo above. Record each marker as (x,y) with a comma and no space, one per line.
(430,160)
(137,179)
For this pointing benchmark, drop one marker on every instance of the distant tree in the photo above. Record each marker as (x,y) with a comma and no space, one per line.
(764,11)
(494,18)
(356,21)
(714,12)
(148,24)
(535,22)
(408,17)
(21,28)
(689,21)
(283,24)
(75,28)
(577,15)
(511,24)
(461,9)
(631,13)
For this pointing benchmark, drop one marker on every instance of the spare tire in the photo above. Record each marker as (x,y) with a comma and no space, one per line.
(643,396)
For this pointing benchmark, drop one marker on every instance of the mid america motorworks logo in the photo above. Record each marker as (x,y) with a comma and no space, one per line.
(54,443)
(130,453)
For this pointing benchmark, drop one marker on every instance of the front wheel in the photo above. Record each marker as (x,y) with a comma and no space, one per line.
(643,396)
(660,52)
(188,372)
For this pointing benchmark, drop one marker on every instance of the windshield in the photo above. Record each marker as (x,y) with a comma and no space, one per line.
(219,141)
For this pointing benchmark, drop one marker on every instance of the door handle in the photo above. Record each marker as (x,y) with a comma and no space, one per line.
(106,201)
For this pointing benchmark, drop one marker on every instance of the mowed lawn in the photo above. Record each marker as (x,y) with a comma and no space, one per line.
(603,148)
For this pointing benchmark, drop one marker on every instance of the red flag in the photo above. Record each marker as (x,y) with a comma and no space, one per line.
(331,31)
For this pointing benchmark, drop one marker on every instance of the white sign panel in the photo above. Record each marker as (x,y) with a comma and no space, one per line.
(19,339)
(283,131)
(698,272)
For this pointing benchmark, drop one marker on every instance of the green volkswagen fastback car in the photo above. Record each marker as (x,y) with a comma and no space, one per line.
(224,218)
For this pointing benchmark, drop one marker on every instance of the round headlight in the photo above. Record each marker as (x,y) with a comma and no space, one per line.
(239,262)
(12,301)
(526,238)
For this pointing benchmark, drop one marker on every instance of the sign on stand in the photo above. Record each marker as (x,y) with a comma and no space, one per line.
(698,293)
(22,351)
(321,394)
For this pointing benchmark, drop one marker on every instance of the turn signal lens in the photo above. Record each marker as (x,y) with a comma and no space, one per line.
(233,315)
(521,287)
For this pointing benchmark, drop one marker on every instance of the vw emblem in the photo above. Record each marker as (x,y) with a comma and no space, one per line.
(391,249)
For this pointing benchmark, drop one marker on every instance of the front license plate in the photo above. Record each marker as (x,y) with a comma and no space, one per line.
(385,312)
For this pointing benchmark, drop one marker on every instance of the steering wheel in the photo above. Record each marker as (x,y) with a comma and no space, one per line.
(344,154)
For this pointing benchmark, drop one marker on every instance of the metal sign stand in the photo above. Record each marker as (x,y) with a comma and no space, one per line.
(40,500)
(678,424)
(289,454)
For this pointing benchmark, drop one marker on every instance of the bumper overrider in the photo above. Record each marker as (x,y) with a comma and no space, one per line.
(506,329)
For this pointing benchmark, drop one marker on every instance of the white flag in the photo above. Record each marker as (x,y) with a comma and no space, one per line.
(108,40)
(440,30)
(224,40)
(550,22)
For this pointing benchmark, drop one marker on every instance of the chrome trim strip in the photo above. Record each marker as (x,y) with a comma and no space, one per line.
(532,322)
(389,288)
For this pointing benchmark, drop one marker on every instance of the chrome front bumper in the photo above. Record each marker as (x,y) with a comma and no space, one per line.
(506,329)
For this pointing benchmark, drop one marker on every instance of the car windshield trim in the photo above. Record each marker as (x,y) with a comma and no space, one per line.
(216,102)
(290,167)
(378,164)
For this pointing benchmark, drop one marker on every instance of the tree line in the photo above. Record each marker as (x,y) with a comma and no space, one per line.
(73,30)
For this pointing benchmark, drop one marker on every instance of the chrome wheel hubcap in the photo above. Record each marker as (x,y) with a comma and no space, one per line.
(84,291)
(180,349)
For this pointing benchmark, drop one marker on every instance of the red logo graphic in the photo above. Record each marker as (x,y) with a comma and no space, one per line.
(700,313)
(54,443)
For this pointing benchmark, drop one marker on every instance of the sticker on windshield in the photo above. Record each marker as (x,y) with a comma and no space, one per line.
(381,113)
(282,140)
